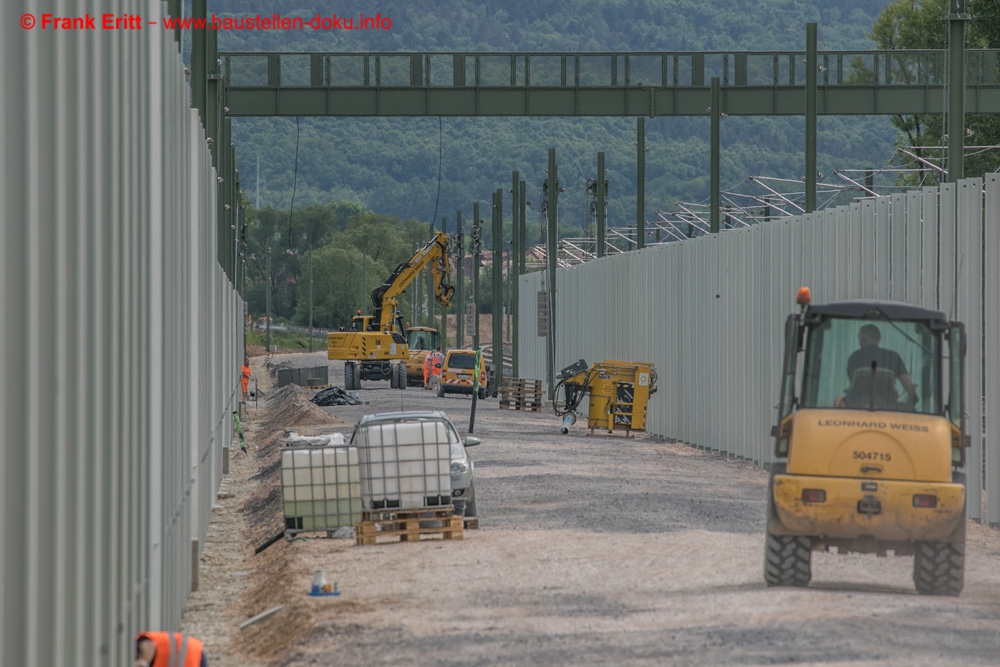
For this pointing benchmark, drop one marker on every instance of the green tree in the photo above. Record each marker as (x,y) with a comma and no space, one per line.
(267,248)
(338,289)
(920,24)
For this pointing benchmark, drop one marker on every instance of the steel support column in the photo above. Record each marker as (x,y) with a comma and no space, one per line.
(199,10)
(443,340)
(516,250)
(523,231)
(956,90)
(640,182)
(497,299)
(601,205)
(551,251)
(476,247)
(460,289)
(811,65)
(716,112)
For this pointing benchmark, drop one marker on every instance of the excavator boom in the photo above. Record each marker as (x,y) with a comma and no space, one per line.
(386,296)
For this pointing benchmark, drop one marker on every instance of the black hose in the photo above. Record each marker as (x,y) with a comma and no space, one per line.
(269,543)
(567,408)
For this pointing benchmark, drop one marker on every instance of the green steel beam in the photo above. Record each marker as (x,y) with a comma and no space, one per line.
(810,103)
(589,84)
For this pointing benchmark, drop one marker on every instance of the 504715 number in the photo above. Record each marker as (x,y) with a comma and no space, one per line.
(872,456)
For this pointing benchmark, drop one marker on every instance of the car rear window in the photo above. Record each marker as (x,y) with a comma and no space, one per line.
(462,361)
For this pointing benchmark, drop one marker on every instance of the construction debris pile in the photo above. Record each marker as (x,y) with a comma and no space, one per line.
(336,396)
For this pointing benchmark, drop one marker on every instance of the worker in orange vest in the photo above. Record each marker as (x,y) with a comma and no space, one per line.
(165,649)
(437,360)
(427,369)
(246,377)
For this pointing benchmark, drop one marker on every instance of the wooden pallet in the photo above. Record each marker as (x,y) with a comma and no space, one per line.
(471,522)
(409,526)
(521,394)
(395,514)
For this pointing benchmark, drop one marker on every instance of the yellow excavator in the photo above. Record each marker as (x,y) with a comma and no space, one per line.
(869,441)
(376,348)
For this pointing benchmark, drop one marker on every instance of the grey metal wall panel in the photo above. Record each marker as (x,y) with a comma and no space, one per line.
(914,250)
(969,244)
(947,237)
(843,235)
(991,357)
(866,245)
(882,256)
(102,263)
(898,221)
(930,268)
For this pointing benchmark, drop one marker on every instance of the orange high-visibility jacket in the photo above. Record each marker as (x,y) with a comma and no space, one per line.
(173,648)
(436,362)
(246,377)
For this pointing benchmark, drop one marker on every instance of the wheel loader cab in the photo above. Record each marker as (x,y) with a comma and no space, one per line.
(869,437)
(848,366)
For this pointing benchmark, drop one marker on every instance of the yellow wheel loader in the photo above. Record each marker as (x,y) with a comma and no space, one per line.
(421,342)
(869,441)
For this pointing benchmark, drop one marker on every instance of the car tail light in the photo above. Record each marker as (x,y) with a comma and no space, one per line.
(813,496)
(925,500)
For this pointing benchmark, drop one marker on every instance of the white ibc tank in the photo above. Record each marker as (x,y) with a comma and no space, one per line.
(320,487)
(405,465)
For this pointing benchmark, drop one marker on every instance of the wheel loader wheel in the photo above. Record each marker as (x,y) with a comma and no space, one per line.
(393,378)
(787,560)
(401,376)
(939,568)
(350,370)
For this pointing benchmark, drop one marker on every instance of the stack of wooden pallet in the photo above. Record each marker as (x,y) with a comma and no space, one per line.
(521,394)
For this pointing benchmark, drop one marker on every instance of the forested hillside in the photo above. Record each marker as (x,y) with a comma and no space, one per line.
(391,166)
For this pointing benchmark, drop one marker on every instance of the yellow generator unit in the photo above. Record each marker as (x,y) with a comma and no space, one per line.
(618,394)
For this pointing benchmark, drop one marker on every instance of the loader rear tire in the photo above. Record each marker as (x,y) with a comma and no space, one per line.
(350,372)
(939,568)
(787,560)
(401,376)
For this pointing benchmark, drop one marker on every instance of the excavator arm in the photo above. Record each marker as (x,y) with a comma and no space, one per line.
(385,298)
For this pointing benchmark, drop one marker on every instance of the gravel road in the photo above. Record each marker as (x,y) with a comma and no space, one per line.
(592,550)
